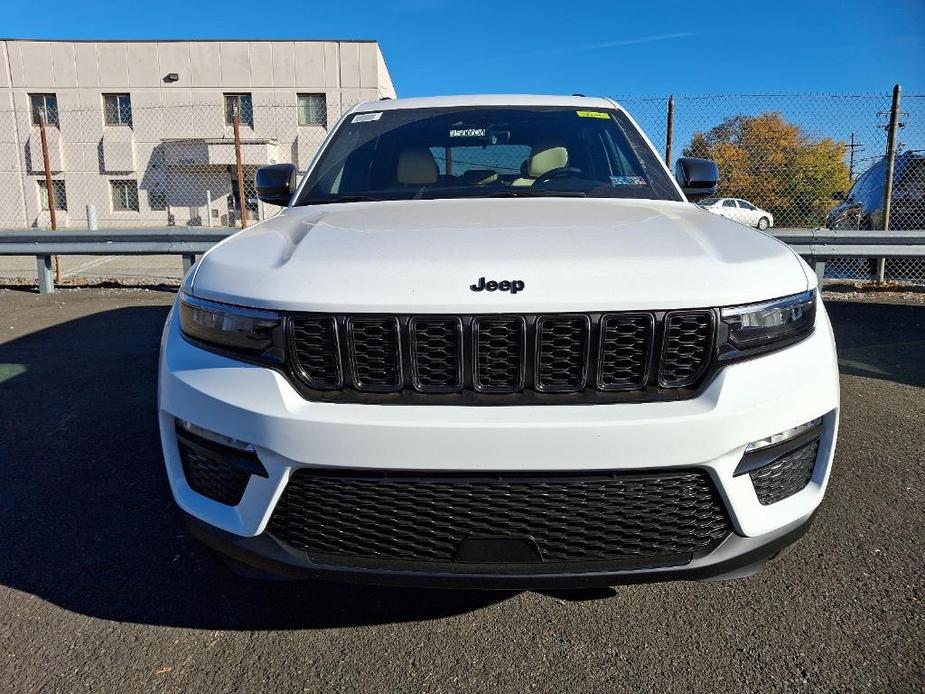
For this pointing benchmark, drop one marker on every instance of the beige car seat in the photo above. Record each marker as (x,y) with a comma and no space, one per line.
(417,167)
(542,160)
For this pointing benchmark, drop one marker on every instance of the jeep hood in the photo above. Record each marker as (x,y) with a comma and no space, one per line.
(572,254)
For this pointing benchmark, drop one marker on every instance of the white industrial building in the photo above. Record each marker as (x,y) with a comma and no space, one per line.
(142,130)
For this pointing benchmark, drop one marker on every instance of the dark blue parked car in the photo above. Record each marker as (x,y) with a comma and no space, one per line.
(862,206)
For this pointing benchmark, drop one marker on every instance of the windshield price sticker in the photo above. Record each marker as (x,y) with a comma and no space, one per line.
(592,114)
(366,117)
(468,132)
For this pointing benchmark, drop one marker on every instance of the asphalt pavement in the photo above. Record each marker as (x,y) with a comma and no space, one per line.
(102,590)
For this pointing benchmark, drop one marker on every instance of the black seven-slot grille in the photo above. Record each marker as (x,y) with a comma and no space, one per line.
(499,354)
(686,348)
(502,359)
(561,353)
(662,517)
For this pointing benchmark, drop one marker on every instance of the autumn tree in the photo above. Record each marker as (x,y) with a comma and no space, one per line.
(775,165)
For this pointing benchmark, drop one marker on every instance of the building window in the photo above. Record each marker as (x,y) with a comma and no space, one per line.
(117,109)
(124,195)
(44,105)
(313,109)
(60,192)
(243,105)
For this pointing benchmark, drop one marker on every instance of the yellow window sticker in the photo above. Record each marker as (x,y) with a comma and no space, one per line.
(592,114)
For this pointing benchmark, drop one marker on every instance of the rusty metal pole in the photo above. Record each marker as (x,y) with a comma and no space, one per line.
(892,129)
(669,134)
(49,187)
(242,195)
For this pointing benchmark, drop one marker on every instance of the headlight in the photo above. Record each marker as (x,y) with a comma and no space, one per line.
(759,325)
(251,332)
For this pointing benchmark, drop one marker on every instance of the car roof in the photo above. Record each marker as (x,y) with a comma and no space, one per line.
(487,100)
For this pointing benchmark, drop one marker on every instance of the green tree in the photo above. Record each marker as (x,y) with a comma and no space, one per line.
(775,165)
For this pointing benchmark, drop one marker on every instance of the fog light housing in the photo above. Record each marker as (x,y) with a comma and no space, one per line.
(782,436)
(786,475)
(213,436)
(216,466)
(783,464)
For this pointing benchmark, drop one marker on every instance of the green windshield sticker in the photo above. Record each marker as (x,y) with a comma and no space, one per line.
(592,114)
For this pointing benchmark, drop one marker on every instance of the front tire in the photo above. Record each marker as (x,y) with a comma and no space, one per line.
(763,223)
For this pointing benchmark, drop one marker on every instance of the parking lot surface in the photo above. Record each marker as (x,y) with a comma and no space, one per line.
(101,589)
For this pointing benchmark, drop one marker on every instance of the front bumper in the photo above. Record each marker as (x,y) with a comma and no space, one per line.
(745,402)
(736,557)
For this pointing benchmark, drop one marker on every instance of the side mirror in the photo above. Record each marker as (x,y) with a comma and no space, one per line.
(698,178)
(838,195)
(276,183)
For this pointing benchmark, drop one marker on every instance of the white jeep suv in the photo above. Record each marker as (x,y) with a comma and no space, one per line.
(490,343)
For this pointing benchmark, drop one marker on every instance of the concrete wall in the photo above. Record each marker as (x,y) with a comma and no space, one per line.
(88,153)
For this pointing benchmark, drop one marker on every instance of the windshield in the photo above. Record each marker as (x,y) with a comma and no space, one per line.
(487,152)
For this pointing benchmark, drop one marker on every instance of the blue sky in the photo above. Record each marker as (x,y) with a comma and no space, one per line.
(639,48)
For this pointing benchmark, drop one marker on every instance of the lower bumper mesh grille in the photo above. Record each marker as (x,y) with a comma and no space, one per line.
(785,476)
(567,518)
(207,473)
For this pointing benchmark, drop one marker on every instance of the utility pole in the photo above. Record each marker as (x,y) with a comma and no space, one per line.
(851,147)
(49,186)
(892,129)
(669,131)
(242,195)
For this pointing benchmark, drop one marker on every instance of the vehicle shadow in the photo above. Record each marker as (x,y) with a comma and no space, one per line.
(86,518)
(879,340)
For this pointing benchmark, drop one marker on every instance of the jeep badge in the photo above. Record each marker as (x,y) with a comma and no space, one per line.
(512,286)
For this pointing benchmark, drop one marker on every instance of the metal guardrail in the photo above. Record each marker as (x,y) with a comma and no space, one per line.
(44,245)
(816,245)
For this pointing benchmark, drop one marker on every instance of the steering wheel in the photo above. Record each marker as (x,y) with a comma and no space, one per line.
(560,172)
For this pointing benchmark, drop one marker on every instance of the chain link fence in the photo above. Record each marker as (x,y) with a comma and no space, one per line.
(786,161)
(137,166)
(804,161)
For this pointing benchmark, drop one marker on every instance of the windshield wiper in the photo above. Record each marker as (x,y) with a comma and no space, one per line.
(449,194)
(506,193)
(340,198)
(527,193)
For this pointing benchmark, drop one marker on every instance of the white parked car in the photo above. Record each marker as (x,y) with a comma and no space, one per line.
(738,210)
(490,343)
